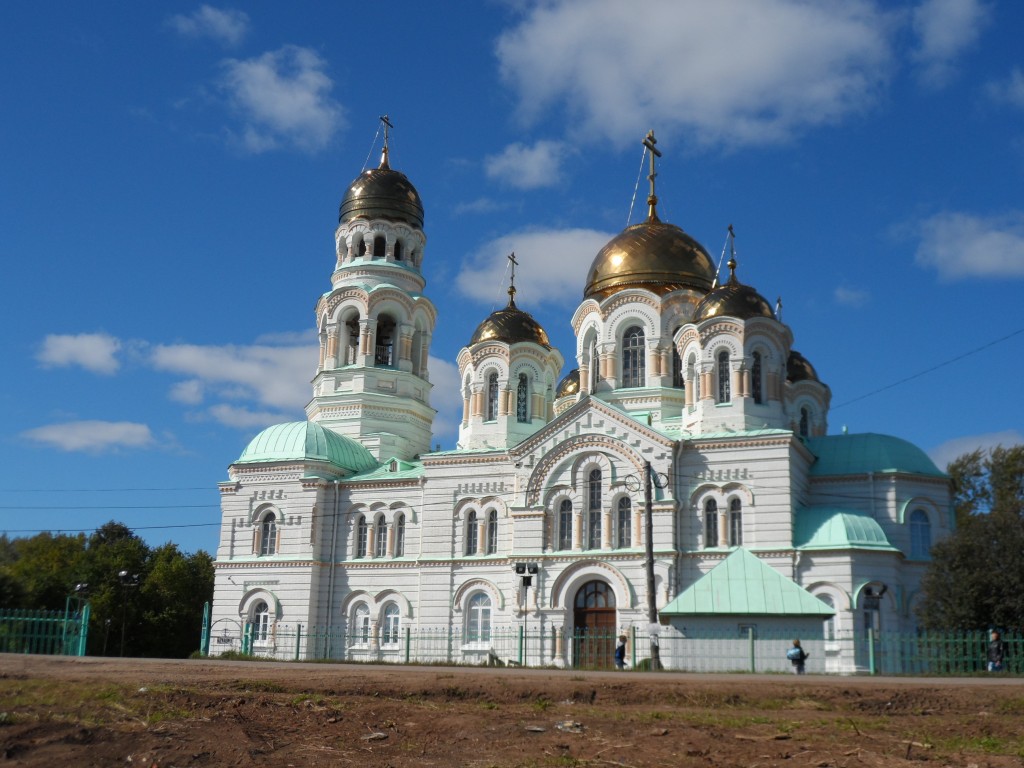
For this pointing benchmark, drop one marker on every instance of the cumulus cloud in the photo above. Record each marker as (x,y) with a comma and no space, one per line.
(526,167)
(944,30)
(283,99)
(1009,91)
(446,399)
(554,264)
(96,352)
(189,392)
(961,245)
(851,297)
(943,454)
(245,418)
(92,436)
(226,26)
(728,73)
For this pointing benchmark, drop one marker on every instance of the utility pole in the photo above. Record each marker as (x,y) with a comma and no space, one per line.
(652,604)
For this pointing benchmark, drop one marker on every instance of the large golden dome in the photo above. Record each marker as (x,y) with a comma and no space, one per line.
(798,368)
(653,255)
(382,193)
(510,325)
(733,300)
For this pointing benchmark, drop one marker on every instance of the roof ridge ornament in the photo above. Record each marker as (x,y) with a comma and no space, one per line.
(652,199)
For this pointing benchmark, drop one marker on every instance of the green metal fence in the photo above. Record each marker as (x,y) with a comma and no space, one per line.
(46,632)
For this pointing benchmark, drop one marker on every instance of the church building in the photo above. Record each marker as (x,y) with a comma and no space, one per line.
(673,477)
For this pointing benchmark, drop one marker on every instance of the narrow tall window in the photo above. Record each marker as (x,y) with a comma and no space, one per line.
(724,388)
(755,378)
(361,624)
(565,525)
(380,537)
(678,379)
(711,523)
(595,366)
(920,534)
(594,510)
(379,246)
(624,523)
(736,523)
(362,534)
(260,622)
(472,534)
(400,536)
(523,399)
(478,618)
(492,397)
(492,532)
(268,534)
(398,250)
(830,622)
(384,354)
(389,635)
(352,347)
(633,358)
(805,419)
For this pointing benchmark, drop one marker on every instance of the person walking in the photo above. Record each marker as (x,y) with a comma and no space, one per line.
(997,652)
(620,653)
(797,657)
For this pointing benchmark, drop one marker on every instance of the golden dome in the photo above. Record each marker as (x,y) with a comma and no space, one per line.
(570,384)
(382,193)
(510,325)
(799,369)
(653,255)
(733,300)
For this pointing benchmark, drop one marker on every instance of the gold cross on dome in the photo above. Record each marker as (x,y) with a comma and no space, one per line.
(652,199)
(512,281)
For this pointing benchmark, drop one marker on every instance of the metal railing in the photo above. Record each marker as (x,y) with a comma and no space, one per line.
(45,632)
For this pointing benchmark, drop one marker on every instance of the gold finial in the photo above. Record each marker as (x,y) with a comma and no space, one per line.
(512,281)
(652,199)
(384,164)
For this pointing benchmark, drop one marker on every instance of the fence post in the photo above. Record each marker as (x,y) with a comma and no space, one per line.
(750,640)
(521,639)
(298,640)
(632,650)
(408,644)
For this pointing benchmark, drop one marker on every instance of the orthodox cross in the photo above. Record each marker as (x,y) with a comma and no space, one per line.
(512,282)
(384,155)
(652,199)
(732,254)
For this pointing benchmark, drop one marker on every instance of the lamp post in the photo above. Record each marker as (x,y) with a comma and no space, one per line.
(633,483)
(127,580)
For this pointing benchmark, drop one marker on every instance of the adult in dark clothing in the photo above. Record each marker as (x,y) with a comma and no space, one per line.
(998,650)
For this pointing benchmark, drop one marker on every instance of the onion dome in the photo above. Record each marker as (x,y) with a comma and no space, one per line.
(733,300)
(510,325)
(798,369)
(382,193)
(570,384)
(306,441)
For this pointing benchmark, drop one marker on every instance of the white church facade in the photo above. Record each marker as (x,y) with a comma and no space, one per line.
(347,536)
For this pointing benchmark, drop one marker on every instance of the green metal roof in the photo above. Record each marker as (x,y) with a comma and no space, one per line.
(860,454)
(403,470)
(742,585)
(306,441)
(831,528)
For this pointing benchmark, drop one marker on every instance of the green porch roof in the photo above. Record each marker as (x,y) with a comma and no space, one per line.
(306,441)
(831,528)
(742,585)
(860,454)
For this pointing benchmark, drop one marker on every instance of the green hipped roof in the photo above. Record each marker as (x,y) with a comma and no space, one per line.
(306,441)
(860,454)
(831,528)
(742,585)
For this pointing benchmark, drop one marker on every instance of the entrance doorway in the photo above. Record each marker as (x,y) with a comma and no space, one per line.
(593,644)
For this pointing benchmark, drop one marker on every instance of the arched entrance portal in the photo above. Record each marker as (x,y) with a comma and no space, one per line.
(594,626)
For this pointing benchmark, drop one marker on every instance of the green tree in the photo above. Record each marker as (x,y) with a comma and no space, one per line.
(172,599)
(976,576)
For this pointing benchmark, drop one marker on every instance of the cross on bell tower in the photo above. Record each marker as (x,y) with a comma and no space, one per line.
(384,154)
(652,199)
(512,281)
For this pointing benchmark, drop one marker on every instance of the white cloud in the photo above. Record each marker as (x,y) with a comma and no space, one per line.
(943,454)
(851,297)
(244,418)
(225,26)
(283,98)
(480,205)
(526,167)
(96,352)
(945,28)
(1009,91)
(553,264)
(189,392)
(728,72)
(960,245)
(92,436)
(446,399)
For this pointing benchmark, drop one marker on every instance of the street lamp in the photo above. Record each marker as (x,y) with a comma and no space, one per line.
(658,480)
(127,580)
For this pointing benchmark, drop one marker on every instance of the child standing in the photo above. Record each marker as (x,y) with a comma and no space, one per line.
(797,657)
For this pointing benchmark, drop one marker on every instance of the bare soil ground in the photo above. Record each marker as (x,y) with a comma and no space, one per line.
(171,714)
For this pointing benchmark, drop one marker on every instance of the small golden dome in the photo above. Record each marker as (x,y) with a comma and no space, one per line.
(799,369)
(510,325)
(382,193)
(653,255)
(570,384)
(733,300)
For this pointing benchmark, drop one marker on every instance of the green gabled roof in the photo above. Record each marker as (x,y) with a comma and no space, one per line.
(742,585)
(831,528)
(306,441)
(404,470)
(860,454)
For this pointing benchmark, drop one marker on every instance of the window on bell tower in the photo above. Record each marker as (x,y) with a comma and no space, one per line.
(523,399)
(724,389)
(492,397)
(633,358)
(755,379)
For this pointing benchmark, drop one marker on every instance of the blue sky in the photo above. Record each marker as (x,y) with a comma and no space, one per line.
(170,178)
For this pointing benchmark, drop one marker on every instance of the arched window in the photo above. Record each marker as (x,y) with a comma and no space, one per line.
(523,399)
(805,418)
(492,532)
(472,534)
(361,624)
(362,534)
(678,378)
(400,536)
(268,534)
(351,351)
(724,387)
(398,250)
(633,358)
(260,622)
(380,537)
(736,523)
(565,525)
(755,379)
(595,366)
(390,627)
(624,523)
(594,510)
(379,247)
(693,374)
(492,397)
(478,618)
(920,534)
(711,523)
(830,622)
(385,351)
(362,246)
